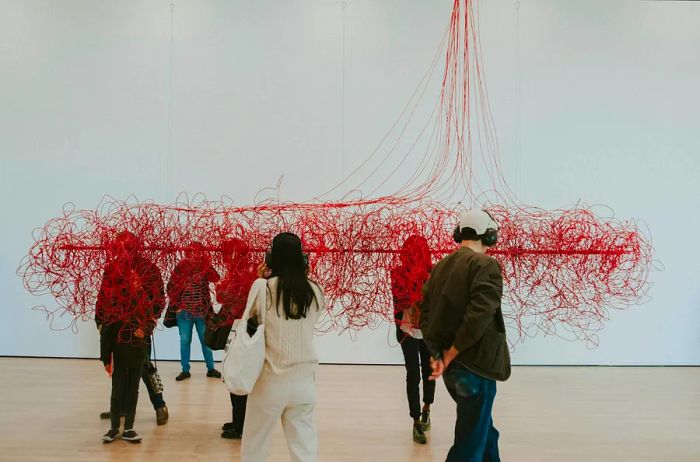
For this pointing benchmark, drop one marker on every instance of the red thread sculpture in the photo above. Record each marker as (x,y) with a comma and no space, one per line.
(563,269)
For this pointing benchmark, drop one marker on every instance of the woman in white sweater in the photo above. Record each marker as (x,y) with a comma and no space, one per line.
(286,389)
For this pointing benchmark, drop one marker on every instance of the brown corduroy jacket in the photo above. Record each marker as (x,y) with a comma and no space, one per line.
(461,307)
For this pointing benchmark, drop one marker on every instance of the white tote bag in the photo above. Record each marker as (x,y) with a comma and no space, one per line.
(244,355)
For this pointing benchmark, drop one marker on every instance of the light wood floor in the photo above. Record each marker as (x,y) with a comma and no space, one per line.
(49,411)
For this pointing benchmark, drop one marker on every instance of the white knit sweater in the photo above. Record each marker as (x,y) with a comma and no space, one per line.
(289,351)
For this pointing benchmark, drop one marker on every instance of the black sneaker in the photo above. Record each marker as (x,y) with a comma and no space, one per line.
(131,436)
(231,434)
(111,435)
(214,373)
(418,434)
(425,420)
(183,376)
(228,426)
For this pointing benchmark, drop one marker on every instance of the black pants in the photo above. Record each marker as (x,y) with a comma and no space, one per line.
(125,395)
(238,404)
(417,361)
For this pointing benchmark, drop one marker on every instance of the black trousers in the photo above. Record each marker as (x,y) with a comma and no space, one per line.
(125,395)
(238,405)
(417,361)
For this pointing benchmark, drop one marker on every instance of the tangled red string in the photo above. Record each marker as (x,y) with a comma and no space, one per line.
(563,269)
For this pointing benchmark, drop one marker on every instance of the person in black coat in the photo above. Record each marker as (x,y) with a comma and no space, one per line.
(130,300)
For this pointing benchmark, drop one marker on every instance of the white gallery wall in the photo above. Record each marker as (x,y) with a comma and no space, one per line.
(594,101)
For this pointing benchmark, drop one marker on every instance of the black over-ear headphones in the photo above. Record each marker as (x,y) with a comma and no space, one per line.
(457,235)
(490,236)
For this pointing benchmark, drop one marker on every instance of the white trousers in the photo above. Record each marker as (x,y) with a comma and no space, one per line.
(293,404)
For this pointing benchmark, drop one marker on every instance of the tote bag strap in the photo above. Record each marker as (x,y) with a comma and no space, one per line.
(259,290)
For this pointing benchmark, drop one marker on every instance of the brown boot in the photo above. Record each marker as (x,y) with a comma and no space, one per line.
(162,415)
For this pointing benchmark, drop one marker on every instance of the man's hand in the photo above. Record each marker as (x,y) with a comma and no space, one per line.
(438,367)
(449,355)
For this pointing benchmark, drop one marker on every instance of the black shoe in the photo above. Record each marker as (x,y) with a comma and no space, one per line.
(162,415)
(111,435)
(231,434)
(183,375)
(105,415)
(131,436)
(214,373)
(228,426)
(418,434)
(425,420)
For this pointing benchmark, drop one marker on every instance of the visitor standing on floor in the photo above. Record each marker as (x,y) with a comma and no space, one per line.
(232,293)
(462,324)
(189,295)
(286,388)
(128,305)
(407,281)
(149,374)
(154,387)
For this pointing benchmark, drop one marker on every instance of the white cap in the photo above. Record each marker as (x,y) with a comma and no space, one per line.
(478,220)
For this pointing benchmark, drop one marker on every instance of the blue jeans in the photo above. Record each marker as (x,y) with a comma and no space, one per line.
(476,439)
(185,322)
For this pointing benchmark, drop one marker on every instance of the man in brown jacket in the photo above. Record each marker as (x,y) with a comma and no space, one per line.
(463,327)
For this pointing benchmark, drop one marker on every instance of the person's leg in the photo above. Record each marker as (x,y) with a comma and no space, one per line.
(265,406)
(131,396)
(234,429)
(184,326)
(491,453)
(154,386)
(410,350)
(239,407)
(298,422)
(154,395)
(474,396)
(229,429)
(428,385)
(119,377)
(201,327)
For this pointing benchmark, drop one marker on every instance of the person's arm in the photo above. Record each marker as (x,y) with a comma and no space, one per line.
(176,284)
(221,292)
(155,290)
(320,302)
(107,344)
(173,282)
(103,298)
(424,306)
(398,314)
(484,300)
(436,363)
